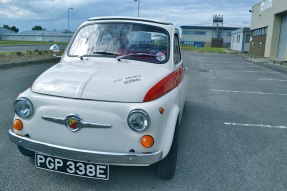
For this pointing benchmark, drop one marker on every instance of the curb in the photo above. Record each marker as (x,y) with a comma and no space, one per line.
(265,60)
(6,45)
(29,62)
(24,45)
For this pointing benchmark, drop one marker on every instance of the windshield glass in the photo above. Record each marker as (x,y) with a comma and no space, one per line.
(127,40)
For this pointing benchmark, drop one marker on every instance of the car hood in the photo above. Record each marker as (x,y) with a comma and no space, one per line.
(120,82)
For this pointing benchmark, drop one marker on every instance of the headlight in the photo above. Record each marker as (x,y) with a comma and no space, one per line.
(23,107)
(139,120)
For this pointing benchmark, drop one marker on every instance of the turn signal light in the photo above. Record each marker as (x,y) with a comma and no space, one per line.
(147,141)
(18,125)
(161,110)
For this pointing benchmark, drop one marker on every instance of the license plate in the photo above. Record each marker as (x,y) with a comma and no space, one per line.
(72,167)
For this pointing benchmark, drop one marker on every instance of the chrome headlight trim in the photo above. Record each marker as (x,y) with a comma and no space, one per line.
(138,120)
(23,107)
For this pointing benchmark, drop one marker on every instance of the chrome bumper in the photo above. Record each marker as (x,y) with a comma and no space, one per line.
(129,159)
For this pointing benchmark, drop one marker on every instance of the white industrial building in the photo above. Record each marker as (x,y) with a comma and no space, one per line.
(39,35)
(269,29)
(240,40)
(203,35)
(5,31)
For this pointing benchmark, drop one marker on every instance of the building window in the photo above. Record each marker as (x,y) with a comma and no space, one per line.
(194,32)
(187,42)
(238,38)
(259,32)
(193,43)
(228,34)
(247,38)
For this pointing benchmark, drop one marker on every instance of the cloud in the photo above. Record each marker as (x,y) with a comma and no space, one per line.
(52,14)
(5,1)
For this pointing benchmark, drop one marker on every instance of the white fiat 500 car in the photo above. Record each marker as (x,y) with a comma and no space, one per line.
(116,98)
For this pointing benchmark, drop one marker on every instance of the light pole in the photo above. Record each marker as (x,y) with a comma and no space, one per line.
(138,7)
(69,18)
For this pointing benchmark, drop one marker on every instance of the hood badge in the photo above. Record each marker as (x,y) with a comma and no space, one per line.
(74,122)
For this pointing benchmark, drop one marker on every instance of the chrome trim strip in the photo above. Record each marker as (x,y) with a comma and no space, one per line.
(55,120)
(82,124)
(112,158)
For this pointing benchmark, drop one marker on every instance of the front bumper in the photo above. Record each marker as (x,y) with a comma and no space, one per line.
(112,158)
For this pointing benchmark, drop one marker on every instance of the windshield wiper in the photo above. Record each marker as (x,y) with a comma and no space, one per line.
(134,54)
(96,52)
(103,52)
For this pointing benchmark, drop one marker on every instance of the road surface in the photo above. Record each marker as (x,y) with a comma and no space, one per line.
(233,134)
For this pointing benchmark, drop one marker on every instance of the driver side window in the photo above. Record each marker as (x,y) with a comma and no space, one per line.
(176,49)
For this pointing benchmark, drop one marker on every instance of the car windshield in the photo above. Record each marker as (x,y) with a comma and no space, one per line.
(122,41)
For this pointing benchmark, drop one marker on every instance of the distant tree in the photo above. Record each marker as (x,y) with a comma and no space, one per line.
(13,28)
(39,28)
(6,26)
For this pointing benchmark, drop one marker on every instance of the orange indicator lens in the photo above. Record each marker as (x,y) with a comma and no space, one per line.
(18,125)
(147,141)
(161,110)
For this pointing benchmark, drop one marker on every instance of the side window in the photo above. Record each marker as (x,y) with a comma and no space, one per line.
(176,50)
(247,39)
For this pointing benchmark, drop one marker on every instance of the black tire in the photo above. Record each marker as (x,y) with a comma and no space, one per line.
(26,152)
(167,166)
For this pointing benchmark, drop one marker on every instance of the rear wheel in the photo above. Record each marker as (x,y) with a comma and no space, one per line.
(166,167)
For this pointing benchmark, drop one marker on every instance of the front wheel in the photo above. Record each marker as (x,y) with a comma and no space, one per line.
(166,167)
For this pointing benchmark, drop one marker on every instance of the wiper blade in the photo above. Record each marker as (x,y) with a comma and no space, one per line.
(96,52)
(134,54)
(104,52)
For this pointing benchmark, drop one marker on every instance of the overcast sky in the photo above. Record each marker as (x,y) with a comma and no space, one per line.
(53,14)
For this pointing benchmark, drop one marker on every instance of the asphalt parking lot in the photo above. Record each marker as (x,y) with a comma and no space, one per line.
(233,133)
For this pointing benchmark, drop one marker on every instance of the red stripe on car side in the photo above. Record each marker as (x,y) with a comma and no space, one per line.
(164,86)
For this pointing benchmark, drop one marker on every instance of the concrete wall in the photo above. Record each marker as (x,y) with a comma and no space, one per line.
(270,18)
(45,36)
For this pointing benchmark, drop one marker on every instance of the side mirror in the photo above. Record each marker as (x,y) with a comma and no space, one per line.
(55,49)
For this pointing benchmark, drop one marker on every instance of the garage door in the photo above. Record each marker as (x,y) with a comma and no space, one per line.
(283,38)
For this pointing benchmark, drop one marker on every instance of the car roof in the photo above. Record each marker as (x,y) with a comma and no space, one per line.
(129,19)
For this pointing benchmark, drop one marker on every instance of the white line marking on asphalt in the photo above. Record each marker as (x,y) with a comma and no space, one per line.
(229,78)
(231,66)
(261,79)
(254,125)
(247,92)
(246,71)
(227,61)
(273,80)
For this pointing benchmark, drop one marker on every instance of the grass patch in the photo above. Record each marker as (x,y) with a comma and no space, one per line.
(25,56)
(14,42)
(203,49)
